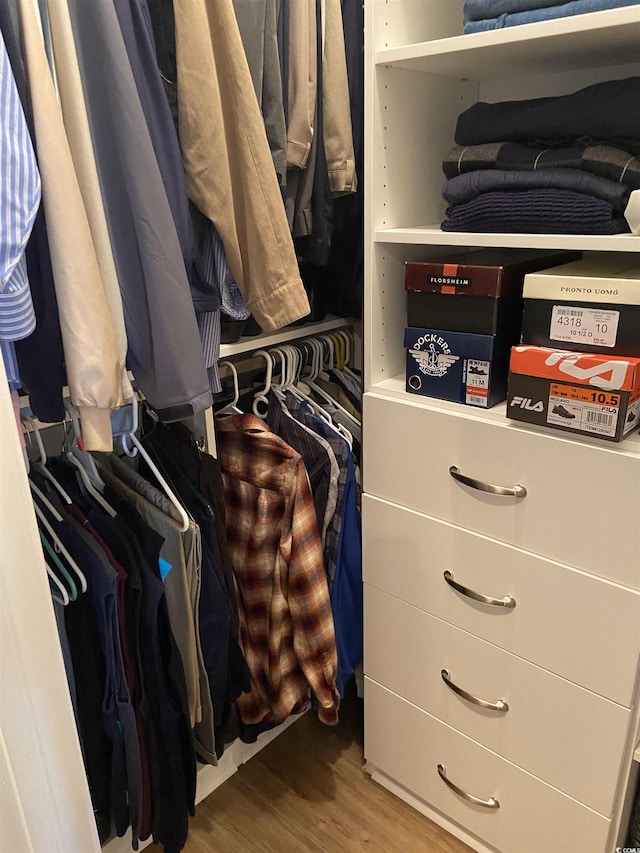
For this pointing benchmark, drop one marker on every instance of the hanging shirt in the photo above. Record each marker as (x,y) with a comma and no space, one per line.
(40,356)
(346,559)
(19,202)
(318,458)
(286,624)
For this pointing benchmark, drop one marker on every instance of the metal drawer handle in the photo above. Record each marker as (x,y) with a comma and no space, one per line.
(507,601)
(500,705)
(508,491)
(491,803)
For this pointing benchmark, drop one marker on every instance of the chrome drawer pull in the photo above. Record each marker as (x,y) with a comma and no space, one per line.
(508,491)
(491,803)
(507,601)
(500,705)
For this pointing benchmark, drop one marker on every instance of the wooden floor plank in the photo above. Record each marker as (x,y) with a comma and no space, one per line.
(307,793)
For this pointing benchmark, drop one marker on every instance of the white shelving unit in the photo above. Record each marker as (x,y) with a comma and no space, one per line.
(421,73)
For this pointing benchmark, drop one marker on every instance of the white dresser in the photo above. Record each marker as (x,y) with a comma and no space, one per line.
(502,631)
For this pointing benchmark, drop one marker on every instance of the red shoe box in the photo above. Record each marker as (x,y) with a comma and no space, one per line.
(583,393)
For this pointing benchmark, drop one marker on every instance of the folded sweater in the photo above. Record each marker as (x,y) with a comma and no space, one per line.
(602,160)
(466,187)
(602,112)
(535,211)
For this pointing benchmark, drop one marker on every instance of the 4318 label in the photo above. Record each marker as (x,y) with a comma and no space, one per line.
(584,325)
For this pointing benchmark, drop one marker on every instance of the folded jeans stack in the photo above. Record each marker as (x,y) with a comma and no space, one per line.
(564,165)
(483,15)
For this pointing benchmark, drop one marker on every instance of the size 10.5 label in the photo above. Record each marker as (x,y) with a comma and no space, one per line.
(584,326)
(583,409)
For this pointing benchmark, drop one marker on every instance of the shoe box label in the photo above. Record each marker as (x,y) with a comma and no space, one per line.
(583,409)
(578,325)
(476,382)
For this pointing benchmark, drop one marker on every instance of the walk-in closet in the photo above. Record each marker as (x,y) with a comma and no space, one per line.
(320,426)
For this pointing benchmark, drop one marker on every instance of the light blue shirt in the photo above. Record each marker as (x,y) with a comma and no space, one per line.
(19,201)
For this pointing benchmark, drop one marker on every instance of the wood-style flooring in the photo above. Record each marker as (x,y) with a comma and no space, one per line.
(307,793)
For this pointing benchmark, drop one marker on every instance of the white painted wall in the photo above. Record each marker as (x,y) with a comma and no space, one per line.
(45,805)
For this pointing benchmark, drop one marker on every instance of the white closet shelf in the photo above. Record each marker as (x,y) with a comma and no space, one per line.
(431,235)
(395,387)
(289,334)
(595,39)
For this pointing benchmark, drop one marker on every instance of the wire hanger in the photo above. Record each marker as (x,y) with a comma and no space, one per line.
(41,464)
(138,447)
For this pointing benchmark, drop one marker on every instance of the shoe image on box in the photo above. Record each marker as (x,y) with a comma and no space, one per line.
(478,370)
(562,412)
(631,417)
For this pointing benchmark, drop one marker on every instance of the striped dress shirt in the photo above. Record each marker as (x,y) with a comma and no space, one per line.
(19,201)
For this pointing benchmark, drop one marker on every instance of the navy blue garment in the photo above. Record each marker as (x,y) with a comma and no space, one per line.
(547,13)
(601,112)
(101,597)
(121,550)
(88,667)
(40,356)
(137,32)
(172,754)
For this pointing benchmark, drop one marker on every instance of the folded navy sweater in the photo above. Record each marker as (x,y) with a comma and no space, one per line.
(466,187)
(535,211)
(602,112)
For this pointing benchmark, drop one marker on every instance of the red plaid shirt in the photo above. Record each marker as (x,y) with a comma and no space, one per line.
(286,621)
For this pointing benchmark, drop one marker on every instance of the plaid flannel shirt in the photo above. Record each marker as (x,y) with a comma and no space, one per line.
(286,621)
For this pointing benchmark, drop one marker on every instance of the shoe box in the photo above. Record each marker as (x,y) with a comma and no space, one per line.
(592,305)
(586,393)
(488,283)
(456,366)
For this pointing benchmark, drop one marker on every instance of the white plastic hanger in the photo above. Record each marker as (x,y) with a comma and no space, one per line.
(60,547)
(40,464)
(138,447)
(261,396)
(320,392)
(232,407)
(85,458)
(78,463)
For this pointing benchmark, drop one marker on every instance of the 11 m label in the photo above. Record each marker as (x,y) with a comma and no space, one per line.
(584,326)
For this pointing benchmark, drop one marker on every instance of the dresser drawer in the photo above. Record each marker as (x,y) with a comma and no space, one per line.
(408,744)
(557,731)
(582,504)
(575,625)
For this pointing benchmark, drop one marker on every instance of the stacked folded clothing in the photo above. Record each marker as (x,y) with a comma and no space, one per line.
(482,15)
(564,165)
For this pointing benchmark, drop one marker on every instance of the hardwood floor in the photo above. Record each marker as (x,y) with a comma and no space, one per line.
(307,793)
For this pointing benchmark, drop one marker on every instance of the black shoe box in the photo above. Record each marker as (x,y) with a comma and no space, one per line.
(592,306)
(582,393)
(464,368)
(487,282)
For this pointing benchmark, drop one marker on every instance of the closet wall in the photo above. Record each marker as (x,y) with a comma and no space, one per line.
(560,761)
(49,806)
